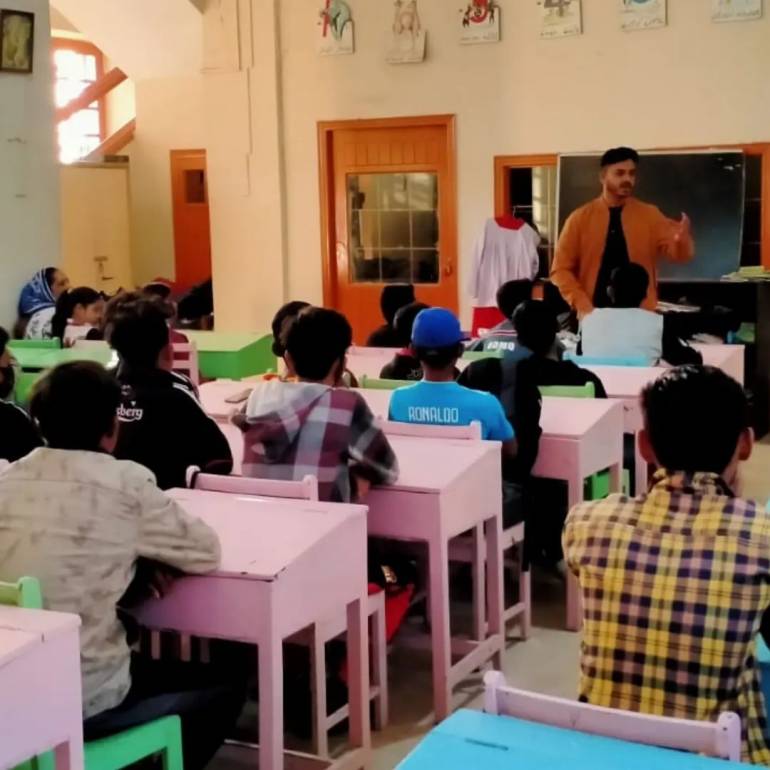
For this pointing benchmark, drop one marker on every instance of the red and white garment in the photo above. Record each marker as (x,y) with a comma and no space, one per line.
(505,251)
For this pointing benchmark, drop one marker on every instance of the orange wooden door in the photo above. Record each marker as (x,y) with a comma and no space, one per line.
(390,214)
(192,232)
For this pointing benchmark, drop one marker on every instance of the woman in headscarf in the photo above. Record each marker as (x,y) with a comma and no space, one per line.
(37,303)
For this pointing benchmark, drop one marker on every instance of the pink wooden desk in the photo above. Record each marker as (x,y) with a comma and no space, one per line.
(281,571)
(447,487)
(729,358)
(40,691)
(369,361)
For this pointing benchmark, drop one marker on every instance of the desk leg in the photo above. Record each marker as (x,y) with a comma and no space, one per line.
(494,560)
(438,593)
(640,471)
(270,701)
(616,477)
(479,587)
(574,602)
(358,675)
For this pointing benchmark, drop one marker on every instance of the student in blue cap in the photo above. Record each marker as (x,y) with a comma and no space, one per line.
(438,399)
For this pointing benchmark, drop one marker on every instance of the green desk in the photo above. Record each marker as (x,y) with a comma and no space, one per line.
(232,356)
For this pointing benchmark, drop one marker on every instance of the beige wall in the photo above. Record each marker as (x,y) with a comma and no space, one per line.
(692,83)
(170,114)
(29,177)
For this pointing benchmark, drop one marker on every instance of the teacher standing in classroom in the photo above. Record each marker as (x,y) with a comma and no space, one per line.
(611,231)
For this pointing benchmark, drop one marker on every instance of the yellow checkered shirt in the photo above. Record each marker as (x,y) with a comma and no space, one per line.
(674,586)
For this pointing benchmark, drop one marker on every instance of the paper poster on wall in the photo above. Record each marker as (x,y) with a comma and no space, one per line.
(642,14)
(335,36)
(408,37)
(560,18)
(480,22)
(736,10)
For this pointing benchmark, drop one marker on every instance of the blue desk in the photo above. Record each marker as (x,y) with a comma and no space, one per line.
(472,740)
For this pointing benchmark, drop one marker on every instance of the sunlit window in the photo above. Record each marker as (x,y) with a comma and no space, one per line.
(76,66)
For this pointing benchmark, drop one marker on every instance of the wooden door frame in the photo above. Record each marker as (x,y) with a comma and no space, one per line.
(326,131)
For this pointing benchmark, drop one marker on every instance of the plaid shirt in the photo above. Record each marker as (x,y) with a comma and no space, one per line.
(299,429)
(674,586)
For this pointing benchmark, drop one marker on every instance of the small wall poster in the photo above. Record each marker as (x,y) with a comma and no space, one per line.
(407,43)
(335,35)
(480,22)
(736,10)
(560,18)
(642,14)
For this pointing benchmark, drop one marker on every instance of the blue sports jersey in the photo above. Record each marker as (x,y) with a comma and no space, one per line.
(447,403)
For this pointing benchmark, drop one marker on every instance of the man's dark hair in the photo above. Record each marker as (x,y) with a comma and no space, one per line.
(75,404)
(66,304)
(137,330)
(281,321)
(157,289)
(316,340)
(619,155)
(629,284)
(404,321)
(511,294)
(4,337)
(393,298)
(439,358)
(536,326)
(694,416)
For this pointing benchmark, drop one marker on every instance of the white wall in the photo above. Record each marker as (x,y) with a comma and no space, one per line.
(29,177)
(170,114)
(691,83)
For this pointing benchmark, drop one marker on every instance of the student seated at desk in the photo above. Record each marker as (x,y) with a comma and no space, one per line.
(536,326)
(282,321)
(404,365)
(394,296)
(313,426)
(78,316)
(627,330)
(675,582)
(78,520)
(162,424)
(37,303)
(438,399)
(503,336)
(18,435)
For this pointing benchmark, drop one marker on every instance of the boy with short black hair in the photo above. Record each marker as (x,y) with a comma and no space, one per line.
(18,436)
(683,570)
(438,399)
(394,296)
(78,520)
(404,365)
(626,330)
(312,426)
(163,426)
(503,336)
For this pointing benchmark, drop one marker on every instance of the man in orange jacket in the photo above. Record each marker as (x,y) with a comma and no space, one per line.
(611,231)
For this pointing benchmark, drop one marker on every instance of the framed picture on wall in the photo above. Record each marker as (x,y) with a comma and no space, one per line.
(642,14)
(736,10)
(17,37)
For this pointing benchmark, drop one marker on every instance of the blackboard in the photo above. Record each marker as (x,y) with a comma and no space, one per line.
(708,186)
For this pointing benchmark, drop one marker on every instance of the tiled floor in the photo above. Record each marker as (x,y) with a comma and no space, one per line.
(547,662)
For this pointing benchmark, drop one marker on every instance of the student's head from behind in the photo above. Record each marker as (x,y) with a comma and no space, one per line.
(511,294)
(536,327)
(75,406)
(82,306)
(137,329)
(7,374)
(437,342)
(696,419)
(403,323)
(628,285)
(282,320)
(317,342)
(393,298)
(618,172)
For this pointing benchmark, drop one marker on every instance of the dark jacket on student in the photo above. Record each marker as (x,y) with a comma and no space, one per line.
(501,337)
(164,427)
(404,366)
(545,372)
(18,435)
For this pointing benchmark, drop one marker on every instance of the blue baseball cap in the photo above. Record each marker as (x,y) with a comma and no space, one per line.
(436,327)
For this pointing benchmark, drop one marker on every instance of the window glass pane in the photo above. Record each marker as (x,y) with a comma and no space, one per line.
(753,177)
(89,67)
(195,185)
(86,122)
(393,227)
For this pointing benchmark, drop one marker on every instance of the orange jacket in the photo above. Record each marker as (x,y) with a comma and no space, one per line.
(649,235)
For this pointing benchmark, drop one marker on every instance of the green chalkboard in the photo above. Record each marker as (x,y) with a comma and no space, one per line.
(708,186)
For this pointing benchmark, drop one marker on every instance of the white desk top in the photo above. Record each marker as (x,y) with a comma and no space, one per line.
(14,644)
(261,537)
